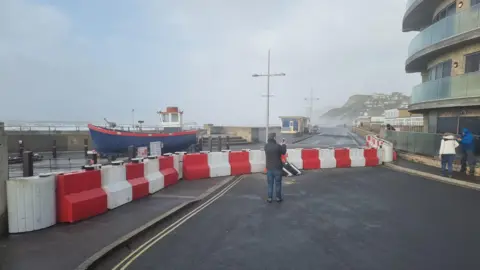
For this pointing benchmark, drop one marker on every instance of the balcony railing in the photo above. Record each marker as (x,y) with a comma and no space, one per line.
(466,85)
(409,3)
(448,27)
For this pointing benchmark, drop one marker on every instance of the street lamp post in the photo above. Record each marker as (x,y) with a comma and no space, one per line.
(311,99)
(268,75)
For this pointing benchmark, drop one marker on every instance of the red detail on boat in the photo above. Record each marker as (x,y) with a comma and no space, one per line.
(172,109)
(138,134)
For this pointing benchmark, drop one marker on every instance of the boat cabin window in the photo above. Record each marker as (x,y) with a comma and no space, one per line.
(165,118)
(174,117)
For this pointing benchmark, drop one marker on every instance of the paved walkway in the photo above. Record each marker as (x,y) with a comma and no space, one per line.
(66,246)
(363,218)
(434,170)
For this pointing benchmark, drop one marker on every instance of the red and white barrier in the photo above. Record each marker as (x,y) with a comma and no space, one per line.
(136,178)
(115,184)
(342,155)
(310,158)
(84,194)
(385,149)
(218,163)
(295,157)
(80,196)
(371,157)
(327,158)
(356,157)
(153,175)
(31,203)
(167,168)
(195,166)
(180,164)
(257,160)
(239,162)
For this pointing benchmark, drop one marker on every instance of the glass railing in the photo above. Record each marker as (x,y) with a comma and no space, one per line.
(448,27)
(466,85)
(421,143)
(415,142)
(409,3)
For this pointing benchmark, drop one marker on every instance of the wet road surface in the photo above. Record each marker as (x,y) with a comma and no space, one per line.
(362,218)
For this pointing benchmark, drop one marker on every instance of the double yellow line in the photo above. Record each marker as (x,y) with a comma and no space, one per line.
(148,244)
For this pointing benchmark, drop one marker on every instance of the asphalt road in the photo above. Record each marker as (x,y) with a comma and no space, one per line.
(362,218)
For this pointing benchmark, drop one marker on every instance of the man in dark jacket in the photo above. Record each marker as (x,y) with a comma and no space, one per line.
(274,164)
(468,149)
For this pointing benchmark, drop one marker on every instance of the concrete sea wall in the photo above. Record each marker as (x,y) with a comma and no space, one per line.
(43,142)
(251,134)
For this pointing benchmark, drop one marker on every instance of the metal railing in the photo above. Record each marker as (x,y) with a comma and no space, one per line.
(55,127)
(462,86)
(450,26)
(48,165)
(427,144)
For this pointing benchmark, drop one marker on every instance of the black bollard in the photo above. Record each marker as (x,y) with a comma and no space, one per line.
(201,144)
(85,147)
(227,143)
(27,163)
(210,146)
(131,152)
(219,146)
(54,149)
(95,158)
(20,147)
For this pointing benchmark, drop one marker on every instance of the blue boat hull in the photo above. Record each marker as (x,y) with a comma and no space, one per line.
(114,142)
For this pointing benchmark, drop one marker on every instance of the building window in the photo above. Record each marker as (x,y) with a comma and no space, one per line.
(447,11)
(472,62)
(440,70)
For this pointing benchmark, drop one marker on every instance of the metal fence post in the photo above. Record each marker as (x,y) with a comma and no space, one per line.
(131,152)
(85,147)
(210,146)
(20,147)
(27,163)
(54,149)
(219,146)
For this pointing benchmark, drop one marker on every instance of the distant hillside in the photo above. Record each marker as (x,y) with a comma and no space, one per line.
(371,105)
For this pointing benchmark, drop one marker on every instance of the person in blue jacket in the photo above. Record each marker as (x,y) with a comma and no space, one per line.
(468,151)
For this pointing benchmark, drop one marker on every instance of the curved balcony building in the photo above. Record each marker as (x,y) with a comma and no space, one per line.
(446,52)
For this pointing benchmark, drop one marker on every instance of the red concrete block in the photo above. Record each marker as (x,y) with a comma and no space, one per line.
(136,178)
(311,159)
(371,158)
(342,155)
(168,170)
(239,162)
(80,196)
(195,166)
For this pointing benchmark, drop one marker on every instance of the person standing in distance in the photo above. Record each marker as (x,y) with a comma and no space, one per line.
(273,155)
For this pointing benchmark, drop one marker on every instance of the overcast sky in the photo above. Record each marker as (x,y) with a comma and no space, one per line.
(86,60)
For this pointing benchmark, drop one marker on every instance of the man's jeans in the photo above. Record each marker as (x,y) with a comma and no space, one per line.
(274,176)
(468,157)
(447,160)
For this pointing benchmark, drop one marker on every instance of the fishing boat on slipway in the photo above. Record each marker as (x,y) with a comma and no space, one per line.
(114,140)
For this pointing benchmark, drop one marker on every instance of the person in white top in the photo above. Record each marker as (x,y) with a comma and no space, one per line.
(447,152)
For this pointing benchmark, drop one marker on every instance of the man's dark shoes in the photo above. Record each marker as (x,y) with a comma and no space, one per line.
(279,200)
(269,200)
